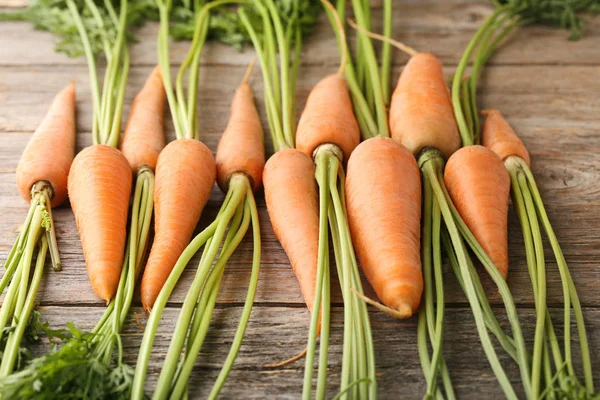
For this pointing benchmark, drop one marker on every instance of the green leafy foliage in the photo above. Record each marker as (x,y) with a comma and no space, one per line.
(560,13)
(225,25)
(73,371)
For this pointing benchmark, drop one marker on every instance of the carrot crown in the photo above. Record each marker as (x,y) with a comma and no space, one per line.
(108,103)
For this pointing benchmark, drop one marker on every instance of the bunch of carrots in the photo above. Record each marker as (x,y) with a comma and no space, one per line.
(427,176)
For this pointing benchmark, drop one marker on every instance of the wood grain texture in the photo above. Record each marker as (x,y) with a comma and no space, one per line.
(545,85)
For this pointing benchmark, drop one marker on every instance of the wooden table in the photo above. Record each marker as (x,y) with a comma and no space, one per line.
(546,86)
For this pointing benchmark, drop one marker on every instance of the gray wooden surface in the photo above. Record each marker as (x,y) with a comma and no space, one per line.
(547,87)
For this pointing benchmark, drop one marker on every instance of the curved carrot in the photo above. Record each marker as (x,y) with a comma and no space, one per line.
(185,175)
(500,137)
(291,198)
(49,153)
(383,196)
(328,118)
(421,113)
(479,185)
(241,148)
(99,189)
(144,136)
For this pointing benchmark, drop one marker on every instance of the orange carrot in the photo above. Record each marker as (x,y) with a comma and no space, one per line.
(383,188)
(99,189)
(291,198)
(241,148)
(49,153)
(479,185)
(500,137)
(144,136)
(421,112)
(185,174)
(328,118)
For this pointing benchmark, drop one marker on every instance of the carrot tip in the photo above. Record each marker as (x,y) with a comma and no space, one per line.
(403,312)
(288,361)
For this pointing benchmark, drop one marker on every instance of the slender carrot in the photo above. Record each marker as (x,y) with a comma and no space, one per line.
(479,186)
(417,126)
(178,205)
(99,189)
(383,189)
(291,199)
(41,161)
(561,380)
(144,136)
(500,137)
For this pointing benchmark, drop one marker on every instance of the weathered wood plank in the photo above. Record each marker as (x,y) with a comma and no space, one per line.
(275,333)
(443,28)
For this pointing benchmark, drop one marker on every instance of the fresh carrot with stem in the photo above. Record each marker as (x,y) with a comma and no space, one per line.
(328,132)
(498,136)
(240,161)
(42,181)
(179,203)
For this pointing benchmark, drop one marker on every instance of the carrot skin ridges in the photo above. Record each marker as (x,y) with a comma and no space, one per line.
(185,175)
(479,186)
(500,137)
(383,199)
(421,112)
(241,148)
(328,117)
(49,153)
(292,203)
(99,190)
(144,136)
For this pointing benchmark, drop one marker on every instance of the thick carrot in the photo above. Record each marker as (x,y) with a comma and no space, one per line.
(500,137)
(291,198)
(49,153)
(480,187)
(383,188)
(421,113)
(185,174)
(99,189)
(144,136)
(328,118)
(241,148)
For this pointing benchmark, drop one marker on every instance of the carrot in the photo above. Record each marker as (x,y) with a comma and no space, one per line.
(500,137)
(49,153)
(528,204)
(291,199)
(185,174)
(329,131)
(144,136)
(421,113)
(241,148)
(480,186)
(384,218)
(240,158)
(99,189)
(42,181)
(327,121)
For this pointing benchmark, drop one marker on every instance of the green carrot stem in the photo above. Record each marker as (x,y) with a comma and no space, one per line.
(386,51)
(465,135)
(373,71)
(91,62)
(275,125)
(161,302)
(12,348)
(239,335)
(321,305)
